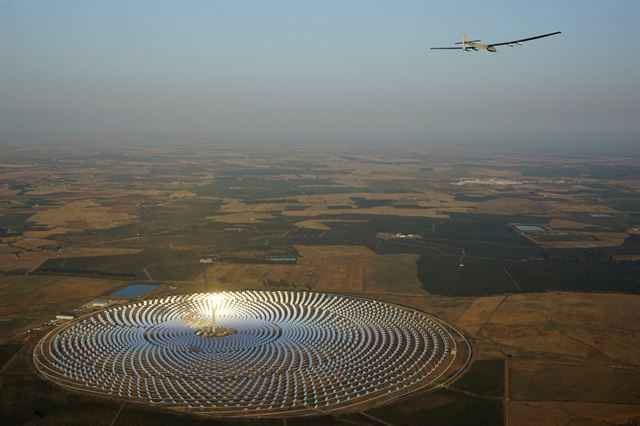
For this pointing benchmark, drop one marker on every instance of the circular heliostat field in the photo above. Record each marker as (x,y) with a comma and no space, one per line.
(261,353)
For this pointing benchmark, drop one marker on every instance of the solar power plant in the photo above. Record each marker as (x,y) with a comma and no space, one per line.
(281,353)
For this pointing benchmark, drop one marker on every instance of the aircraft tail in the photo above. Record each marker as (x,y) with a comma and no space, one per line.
(464,42)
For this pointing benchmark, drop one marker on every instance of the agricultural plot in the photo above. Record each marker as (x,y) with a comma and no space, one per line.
(577,382)
(601,327)
(356,268)
(7,351)
(21,295)
(445,275)
(27,399)
(76,216)
(21,257)
(435,233)
(177,216)
(234,276)
(443,408)
(33,299)
(261,188)
(327,268)
(478,313)
(159,264)
(485,378)
(14,221)
(543,413)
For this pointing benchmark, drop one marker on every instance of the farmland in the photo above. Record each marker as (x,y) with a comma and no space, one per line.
(537,262)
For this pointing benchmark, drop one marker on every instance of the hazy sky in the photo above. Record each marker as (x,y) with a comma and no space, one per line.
(314,71)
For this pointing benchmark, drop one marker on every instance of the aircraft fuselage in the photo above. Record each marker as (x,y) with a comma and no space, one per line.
(478,46)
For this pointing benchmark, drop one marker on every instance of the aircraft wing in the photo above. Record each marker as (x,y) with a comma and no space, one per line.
(446,48)
(524,39)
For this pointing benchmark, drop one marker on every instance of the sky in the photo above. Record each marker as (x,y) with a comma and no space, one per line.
(317,72)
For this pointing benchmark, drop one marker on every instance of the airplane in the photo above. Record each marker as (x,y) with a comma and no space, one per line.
(467,45)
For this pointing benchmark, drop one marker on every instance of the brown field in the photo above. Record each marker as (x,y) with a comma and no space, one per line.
(511,206)
(598,326)
(20,294)
(616,344)
(595,239)
(478,313)
(342,277)
(560,413)
(79,215)
(325,268)
(5,191)
(312,224)
(573,357)
(232,205)
(356,268)
(244,217)
(393,273)
(561,207)
(29,244)
(95,251)
(32,299)
(572,238)
(321,225)
(56,230)
(14,260)
(569,358)
(234,276)
(567,224)
(325,254)
(446,308)
(585,382)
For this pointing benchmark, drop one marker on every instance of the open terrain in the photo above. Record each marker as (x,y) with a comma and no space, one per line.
(535,258)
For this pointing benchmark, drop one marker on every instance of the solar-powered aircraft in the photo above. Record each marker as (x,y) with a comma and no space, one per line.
(466,45)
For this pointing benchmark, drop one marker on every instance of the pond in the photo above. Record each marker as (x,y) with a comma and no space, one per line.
(133,290)
(529,228)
